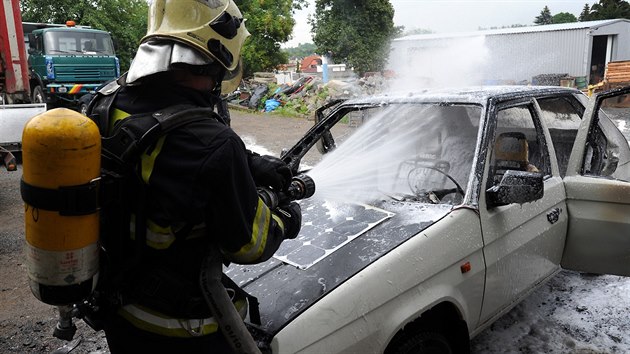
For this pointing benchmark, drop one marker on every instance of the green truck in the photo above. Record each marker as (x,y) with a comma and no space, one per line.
(67,62)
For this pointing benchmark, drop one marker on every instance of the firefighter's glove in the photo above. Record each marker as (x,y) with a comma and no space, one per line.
(291,215)
(270,171)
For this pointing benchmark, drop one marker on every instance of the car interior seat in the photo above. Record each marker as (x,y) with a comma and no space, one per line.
(511,152)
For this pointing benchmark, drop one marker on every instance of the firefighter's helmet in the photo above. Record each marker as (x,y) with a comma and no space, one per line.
(194,32)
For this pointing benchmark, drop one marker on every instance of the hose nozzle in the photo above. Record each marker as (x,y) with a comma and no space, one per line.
(301,187)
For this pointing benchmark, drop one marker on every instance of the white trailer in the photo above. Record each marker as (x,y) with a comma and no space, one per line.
(15,102)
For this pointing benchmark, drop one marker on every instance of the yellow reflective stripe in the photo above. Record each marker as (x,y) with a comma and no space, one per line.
(157,228)
(278,220)
(148,160)
(155,322)
(159,241)
(117,115)
(260,228)
(158,237)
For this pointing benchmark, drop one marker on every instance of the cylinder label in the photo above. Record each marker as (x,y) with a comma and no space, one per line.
(61,268)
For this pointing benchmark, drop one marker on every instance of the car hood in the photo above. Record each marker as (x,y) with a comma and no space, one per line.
(299,274)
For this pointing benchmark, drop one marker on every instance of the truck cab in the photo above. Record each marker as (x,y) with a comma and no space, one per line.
(67,62)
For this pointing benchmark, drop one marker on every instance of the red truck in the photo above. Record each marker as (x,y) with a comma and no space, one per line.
(15,99)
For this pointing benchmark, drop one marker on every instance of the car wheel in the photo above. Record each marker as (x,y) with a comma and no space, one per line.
(38,95)
(83,109)
(426,342)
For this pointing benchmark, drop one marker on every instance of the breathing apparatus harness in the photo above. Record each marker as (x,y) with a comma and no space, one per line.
(120,181)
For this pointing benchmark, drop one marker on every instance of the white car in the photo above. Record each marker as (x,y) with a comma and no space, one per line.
(440,213)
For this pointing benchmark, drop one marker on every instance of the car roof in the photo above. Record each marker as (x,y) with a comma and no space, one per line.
(474,95)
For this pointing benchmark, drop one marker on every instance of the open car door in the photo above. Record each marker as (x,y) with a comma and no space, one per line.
(598,189)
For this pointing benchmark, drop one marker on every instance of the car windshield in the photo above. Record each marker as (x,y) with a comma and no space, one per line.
(76,42)
(410,152)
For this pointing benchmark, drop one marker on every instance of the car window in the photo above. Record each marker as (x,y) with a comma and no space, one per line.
(402,150)
(562,116)
(518,144)
(607,152)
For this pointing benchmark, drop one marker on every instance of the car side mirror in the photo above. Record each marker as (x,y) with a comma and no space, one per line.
(516,187)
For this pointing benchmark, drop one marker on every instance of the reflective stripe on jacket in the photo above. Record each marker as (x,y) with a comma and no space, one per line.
(155,322)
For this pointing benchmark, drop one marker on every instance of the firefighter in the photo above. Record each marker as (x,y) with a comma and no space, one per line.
(201,182)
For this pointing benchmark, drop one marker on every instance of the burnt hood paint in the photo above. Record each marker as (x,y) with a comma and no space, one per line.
(284,291)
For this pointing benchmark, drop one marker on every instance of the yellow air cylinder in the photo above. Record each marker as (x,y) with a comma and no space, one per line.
(61,157)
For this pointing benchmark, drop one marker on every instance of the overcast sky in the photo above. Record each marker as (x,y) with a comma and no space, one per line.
(443,16)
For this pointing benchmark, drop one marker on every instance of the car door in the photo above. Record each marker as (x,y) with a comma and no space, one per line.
(598,190)
(523,242)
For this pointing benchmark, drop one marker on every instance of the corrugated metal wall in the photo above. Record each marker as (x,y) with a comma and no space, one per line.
(521,56)
(504,57)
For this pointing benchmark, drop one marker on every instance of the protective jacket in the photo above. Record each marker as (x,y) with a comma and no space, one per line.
(199,191)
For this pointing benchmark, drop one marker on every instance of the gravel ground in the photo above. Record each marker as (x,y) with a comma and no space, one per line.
(573,313)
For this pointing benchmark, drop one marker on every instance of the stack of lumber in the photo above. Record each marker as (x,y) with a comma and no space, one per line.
(617,73)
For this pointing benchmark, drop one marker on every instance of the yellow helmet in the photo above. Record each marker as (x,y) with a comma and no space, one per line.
(232,78)
(215,28)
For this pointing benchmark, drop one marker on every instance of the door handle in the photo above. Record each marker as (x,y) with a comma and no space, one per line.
(554,215)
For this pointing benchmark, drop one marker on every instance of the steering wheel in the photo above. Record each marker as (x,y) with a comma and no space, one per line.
(439,193)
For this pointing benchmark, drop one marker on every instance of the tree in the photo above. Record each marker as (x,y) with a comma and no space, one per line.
(125,19)
(585,15)
(563,17)
(610,9)
(354,32)
(301,51)
(270,23)
(544,18)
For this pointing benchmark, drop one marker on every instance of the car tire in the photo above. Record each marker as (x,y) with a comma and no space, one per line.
(38,95)
(425,342)
(83,107)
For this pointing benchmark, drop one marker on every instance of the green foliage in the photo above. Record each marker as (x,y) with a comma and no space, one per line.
(270,23)
(544,18)
(354,32)
(322,95)
(585,15)
(563,17)
(126,20)
(301,51)
(609,9)
(292,108)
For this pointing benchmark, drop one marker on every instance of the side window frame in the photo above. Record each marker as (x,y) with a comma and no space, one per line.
(528,104)
(600,159)
(578,110)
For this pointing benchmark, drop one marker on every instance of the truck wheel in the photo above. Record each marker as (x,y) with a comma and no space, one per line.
(38,95)
(425,342)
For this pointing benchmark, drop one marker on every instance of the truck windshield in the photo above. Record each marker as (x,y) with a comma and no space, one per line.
(77,42)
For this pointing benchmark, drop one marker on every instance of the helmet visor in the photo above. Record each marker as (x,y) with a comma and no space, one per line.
(156,56)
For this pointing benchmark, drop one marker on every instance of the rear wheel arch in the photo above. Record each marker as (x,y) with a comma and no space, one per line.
(443,322)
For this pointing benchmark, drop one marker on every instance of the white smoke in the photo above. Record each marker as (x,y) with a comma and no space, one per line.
(437,63)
